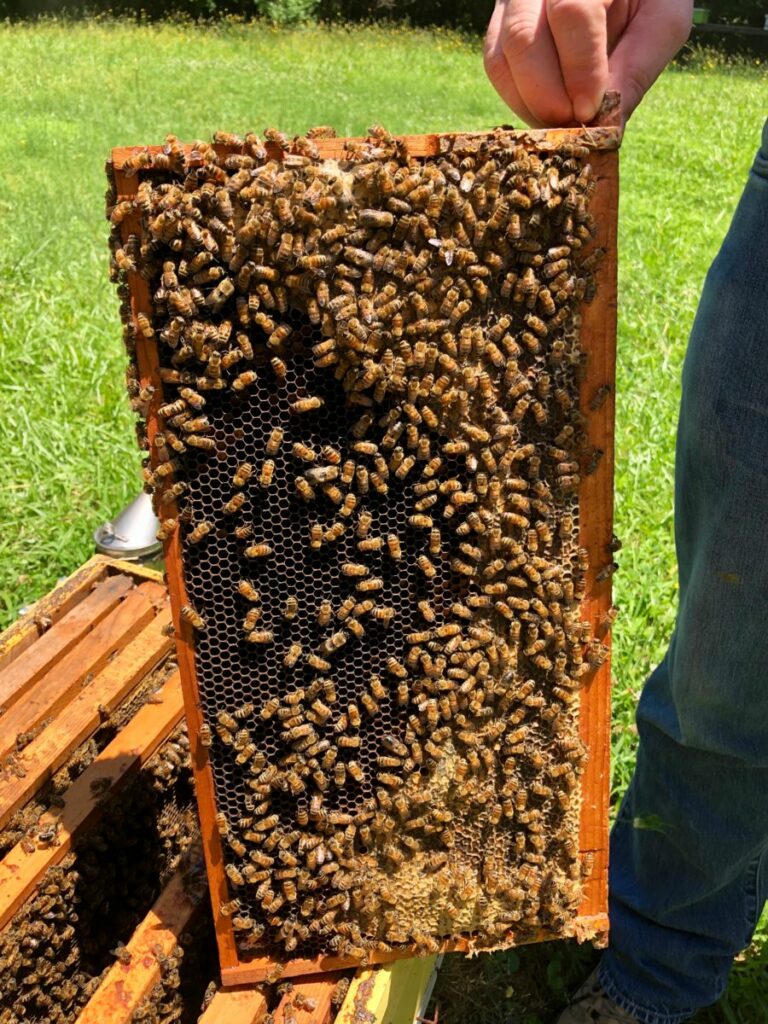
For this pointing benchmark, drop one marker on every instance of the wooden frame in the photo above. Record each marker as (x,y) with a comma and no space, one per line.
(596,494)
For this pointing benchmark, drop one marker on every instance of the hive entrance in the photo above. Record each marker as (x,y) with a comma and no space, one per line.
(369,449)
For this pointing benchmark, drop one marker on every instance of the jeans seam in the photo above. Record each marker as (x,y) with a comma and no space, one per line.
(644,1014)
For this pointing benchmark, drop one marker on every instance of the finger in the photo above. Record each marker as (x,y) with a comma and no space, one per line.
(619,14)
(499,73)
(652,37)
(579,32)
(529,50)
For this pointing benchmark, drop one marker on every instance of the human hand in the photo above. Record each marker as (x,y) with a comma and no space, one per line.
(552,61)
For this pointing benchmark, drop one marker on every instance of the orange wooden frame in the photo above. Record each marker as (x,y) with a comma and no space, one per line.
(598,334)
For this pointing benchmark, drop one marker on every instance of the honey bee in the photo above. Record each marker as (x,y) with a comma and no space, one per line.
(174,491)
(370,544)
(376,218)
(427,567)
(234,875)
(607,620)
(261,550)
(270,708)
(244,380)
(369,585)
(354,569)
(190,615)
(274,441)
(324,613)
(205,735)
(234,504)
(172,409)
(305,491)
(301,451)
(310,404)
(606,572)
(251,619)
(317,662)
(383,614)
(167,529)
(267,473)
(242,475)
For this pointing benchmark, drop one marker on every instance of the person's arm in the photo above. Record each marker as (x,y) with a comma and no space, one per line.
(552,61)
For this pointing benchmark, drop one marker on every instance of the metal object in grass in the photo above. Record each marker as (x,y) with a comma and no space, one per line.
(131,535)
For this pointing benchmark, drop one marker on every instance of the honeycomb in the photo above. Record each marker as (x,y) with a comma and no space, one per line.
(370,443)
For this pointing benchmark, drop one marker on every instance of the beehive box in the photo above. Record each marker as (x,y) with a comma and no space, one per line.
(96,803)
(103,909)
(375,386)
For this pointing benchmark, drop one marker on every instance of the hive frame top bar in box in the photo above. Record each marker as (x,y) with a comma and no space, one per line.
(141,179)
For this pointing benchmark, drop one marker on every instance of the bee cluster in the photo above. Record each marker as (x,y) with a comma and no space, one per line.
(370,441)
(62,939)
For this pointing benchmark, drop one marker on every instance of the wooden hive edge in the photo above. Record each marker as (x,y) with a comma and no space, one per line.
(592,928)
(126,985)
(82,716)
(84,801)
(317,991)
(247,1005)
(63,679)
(601,137)
(598,339)
(65,595)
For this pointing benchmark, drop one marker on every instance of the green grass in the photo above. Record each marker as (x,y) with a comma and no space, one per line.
(70,92)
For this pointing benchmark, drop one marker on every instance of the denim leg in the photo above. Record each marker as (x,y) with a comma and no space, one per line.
(688,875)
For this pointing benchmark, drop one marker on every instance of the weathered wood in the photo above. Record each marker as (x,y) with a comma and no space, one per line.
(28,629)
(317,991)
(236,1006)
(82,804)
(81,717)
(139,572)
(57,686)
(126,985)
(19,677)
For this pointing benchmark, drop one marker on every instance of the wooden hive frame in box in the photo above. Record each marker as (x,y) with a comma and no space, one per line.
(595,495)
(99,644)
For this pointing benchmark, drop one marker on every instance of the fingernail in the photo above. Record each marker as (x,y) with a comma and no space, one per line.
(585,108)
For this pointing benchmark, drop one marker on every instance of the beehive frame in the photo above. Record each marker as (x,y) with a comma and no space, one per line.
(595,496)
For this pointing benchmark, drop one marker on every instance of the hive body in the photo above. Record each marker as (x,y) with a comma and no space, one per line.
(361,379)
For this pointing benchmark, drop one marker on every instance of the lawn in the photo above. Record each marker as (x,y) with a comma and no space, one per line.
(68,94)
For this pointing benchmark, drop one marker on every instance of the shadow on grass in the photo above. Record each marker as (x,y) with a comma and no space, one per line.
(529,985)
(532,984)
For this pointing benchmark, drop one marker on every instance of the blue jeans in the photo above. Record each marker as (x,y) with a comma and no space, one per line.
(689,871)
